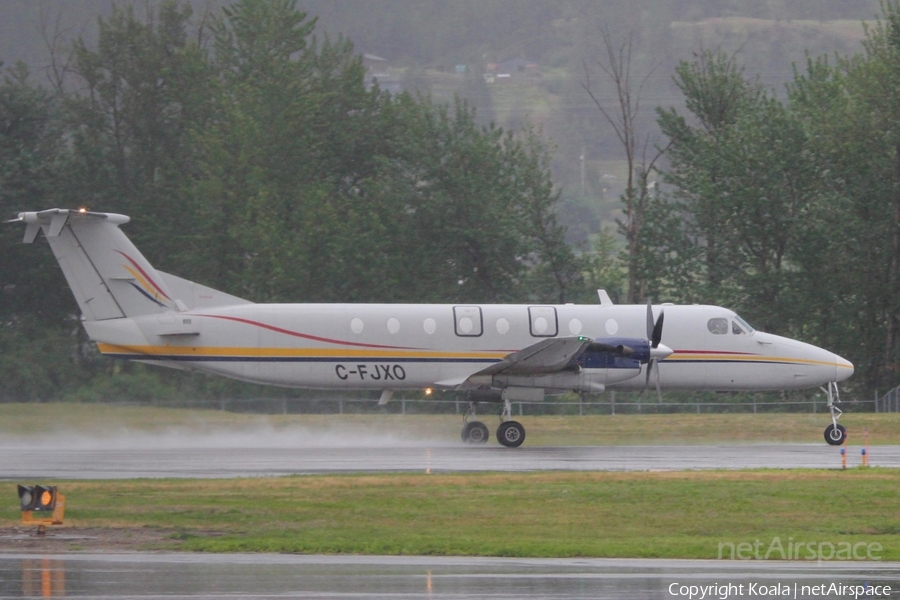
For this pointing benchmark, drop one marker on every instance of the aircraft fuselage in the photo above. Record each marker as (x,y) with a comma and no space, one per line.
(414,346)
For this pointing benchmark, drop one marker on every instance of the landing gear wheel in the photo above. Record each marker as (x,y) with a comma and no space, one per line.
(835,435)
(475,432)
(511,434)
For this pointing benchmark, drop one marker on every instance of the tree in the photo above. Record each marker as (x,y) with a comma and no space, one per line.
(144,88)
(616,65)
(742,178)
(849,109)
(31,154)
(338,185)
(267,168)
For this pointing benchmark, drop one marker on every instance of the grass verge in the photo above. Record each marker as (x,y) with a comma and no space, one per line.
(559,514)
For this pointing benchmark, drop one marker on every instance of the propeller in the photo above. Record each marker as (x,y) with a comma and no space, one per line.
(658,350)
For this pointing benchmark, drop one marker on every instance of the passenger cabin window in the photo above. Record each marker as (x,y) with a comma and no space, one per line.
(718,326)
(542,320)
(467,321)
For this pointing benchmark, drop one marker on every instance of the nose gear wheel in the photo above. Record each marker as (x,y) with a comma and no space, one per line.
(835,434)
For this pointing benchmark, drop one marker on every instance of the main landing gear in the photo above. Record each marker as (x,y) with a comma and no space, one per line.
(835,434)
(510,433)
(473,432)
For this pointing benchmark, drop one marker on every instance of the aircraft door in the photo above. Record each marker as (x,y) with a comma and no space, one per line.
(467,321)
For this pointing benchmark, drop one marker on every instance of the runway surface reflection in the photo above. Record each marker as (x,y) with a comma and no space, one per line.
(200,576)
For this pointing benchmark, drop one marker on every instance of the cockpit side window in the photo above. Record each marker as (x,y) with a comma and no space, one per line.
(736,329)
(744,325)
(718,326)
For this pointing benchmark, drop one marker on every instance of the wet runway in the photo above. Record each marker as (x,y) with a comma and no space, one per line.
(219,456)
(200,576)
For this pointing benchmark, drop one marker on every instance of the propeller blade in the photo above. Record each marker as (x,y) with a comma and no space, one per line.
(656,337)
(658,391)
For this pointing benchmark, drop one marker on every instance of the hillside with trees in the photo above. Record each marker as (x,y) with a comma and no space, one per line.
(260,152)
(257,161)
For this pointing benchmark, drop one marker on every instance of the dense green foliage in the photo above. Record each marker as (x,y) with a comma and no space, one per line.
(253,158)
(424,40)
(786,207)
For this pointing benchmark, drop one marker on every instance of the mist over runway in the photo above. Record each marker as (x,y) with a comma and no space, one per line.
(265,453)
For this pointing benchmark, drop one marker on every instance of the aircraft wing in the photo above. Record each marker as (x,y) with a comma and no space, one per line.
(547,356)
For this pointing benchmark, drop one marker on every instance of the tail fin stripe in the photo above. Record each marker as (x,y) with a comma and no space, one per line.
(137,276)
(144,292)
(146,277)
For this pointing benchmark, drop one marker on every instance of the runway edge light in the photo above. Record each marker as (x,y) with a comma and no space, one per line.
(26,497)
(41,499)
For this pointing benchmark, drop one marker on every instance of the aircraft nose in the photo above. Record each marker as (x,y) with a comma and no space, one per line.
(843,368)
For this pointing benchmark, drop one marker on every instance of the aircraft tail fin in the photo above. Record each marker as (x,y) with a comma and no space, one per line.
(109,277)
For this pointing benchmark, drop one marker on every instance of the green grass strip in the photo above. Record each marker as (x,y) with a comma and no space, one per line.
(557,514)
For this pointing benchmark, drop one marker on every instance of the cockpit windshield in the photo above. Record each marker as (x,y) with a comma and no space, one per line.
(743,325)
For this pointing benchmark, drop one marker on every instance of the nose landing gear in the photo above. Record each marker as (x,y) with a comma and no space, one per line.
(835,434)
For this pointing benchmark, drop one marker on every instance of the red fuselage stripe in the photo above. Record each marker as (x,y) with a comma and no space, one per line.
(306,335)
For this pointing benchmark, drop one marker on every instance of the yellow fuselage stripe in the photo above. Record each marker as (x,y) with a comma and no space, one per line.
(210,351)
(745,358)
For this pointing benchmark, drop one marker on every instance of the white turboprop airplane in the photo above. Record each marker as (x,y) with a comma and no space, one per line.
(493,352)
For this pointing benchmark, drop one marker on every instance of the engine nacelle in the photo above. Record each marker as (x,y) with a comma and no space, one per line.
(616,353)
